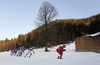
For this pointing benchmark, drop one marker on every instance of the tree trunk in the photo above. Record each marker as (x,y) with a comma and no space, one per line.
(46,49)
(46,38)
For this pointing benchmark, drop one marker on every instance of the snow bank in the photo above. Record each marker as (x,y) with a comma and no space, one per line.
(96,34)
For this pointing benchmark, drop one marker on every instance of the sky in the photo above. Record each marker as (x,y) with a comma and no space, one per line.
(18,16)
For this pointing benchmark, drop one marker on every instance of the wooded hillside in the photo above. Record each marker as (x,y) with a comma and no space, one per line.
(59,31)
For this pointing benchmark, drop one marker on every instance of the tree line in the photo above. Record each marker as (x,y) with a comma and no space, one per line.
(59,31)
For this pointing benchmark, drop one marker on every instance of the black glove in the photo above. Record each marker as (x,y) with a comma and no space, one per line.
(64,49)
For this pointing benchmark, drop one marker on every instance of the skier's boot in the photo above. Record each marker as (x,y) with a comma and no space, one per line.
(29,55)
(61,58)
(25,56)
(17,55)
(58,57)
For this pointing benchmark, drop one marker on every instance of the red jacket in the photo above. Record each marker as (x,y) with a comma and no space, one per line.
(60,49)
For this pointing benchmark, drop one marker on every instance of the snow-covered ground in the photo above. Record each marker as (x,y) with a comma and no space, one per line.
(70,57)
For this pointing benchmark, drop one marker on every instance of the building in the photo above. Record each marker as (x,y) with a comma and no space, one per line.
(88,43)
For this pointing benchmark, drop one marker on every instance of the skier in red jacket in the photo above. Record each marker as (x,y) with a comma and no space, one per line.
(60,50)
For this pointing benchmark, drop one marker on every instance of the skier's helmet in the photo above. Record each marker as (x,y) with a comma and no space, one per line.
(22,46)
(64,46)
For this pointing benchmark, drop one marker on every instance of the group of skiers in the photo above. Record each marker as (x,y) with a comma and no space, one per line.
(20,51)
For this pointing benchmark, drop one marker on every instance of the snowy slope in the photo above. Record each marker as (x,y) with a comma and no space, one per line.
(70,57)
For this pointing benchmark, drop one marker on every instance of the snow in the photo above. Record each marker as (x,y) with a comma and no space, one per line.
(96,34)
(70,57)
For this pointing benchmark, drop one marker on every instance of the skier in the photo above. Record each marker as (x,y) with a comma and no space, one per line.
(29,52)
(13,52)
(22,48)
(19,53)
(60,50)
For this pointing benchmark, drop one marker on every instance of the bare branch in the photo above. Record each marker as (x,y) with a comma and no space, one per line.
(46,13)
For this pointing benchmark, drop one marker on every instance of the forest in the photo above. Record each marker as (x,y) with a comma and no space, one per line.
(58,32)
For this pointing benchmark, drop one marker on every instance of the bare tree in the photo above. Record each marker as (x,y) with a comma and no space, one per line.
(46,14)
